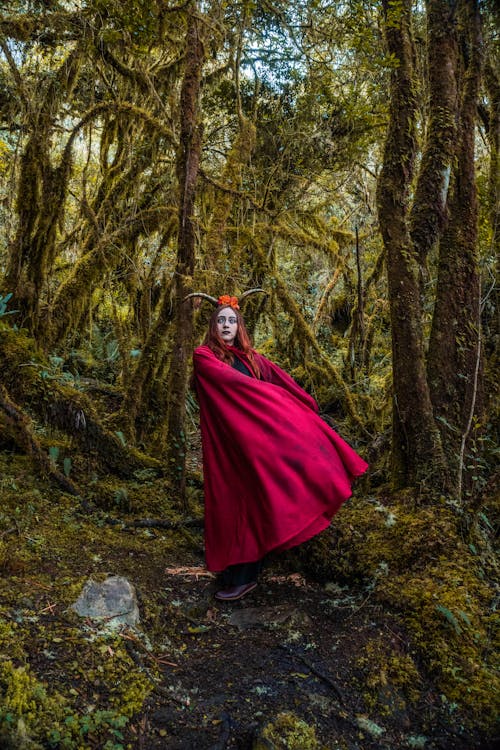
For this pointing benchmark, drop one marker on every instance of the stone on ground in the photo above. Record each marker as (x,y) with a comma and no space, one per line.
(113,601)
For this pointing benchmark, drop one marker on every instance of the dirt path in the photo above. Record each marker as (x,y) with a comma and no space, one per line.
(290,646)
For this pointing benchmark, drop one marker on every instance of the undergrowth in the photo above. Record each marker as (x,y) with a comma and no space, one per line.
(65,685)
(63,682)
(439,581)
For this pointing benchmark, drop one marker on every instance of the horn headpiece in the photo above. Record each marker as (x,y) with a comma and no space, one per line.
(225,300)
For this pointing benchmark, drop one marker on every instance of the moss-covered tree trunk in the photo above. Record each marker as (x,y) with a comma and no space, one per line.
(492,79)
(112,224)
(137,408)
(428,214)
(454,361)
(491,315)
(60,405)
(416,449)
(188,160)
(41,191)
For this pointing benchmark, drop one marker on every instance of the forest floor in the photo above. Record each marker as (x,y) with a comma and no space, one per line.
(286,667)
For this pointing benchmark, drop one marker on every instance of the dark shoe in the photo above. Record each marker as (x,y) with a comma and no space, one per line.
(235,592)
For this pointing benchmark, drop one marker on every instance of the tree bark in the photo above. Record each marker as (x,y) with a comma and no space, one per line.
(416,449)
(188,161)
(454,346)
(428,214)
(491,313)
(492,79)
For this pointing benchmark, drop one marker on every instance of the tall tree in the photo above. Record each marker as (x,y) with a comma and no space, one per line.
(454,361)
(416,446)
(42,185)
(188,161)
(428,211)
(442,395)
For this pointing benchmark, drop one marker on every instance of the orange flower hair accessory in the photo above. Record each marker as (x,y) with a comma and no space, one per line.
(225,300)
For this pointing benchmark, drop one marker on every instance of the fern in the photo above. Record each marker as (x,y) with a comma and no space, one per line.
(450,617)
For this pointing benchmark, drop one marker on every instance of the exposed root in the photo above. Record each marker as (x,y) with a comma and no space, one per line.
(21,432)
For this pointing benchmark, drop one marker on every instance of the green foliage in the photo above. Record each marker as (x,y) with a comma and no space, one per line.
(122,500)
(67,466)
(31,714)
(450,617)
(4,299)
(54,453)
(121,437)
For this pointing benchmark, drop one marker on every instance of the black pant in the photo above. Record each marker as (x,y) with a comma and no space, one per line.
(237,575)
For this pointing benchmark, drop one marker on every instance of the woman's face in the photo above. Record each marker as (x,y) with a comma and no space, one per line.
(227,325)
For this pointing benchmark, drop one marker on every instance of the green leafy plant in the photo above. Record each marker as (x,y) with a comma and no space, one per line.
(54,453)
(4,300)
(121,437)
(67,466)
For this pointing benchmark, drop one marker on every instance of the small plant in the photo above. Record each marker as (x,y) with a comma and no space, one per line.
(4,300)
(122,499)
(54,457)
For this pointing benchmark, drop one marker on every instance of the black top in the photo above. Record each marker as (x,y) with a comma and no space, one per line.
(241,366)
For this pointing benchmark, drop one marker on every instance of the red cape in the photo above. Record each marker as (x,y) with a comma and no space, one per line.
(274,472)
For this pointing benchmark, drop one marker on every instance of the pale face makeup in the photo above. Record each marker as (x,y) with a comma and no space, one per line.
(227,325)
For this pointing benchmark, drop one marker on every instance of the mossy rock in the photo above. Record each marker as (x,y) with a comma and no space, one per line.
(287,732)
(369,533)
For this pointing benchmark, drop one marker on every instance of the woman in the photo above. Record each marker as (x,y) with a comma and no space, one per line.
(274,472)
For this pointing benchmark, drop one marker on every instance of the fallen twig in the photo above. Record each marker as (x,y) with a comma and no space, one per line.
(157,659)
(184,570)
(354,611)
(38,584)
(8,531)
(156,523)
(327,680)
(136,658)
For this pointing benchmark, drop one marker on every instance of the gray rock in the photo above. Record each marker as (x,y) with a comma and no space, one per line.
(113,601)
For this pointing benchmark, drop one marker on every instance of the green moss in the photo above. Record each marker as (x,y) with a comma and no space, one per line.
(391,678)
(48,549)
(25,706)
(30,713)
(10,642)
(445,612)
(287,732)
(436,583)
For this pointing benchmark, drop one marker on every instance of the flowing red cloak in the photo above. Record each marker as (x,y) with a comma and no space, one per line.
(274,472)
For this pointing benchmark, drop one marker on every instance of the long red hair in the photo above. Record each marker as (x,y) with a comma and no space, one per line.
(242,340)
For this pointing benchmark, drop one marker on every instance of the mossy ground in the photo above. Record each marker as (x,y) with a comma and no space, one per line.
(385,643)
